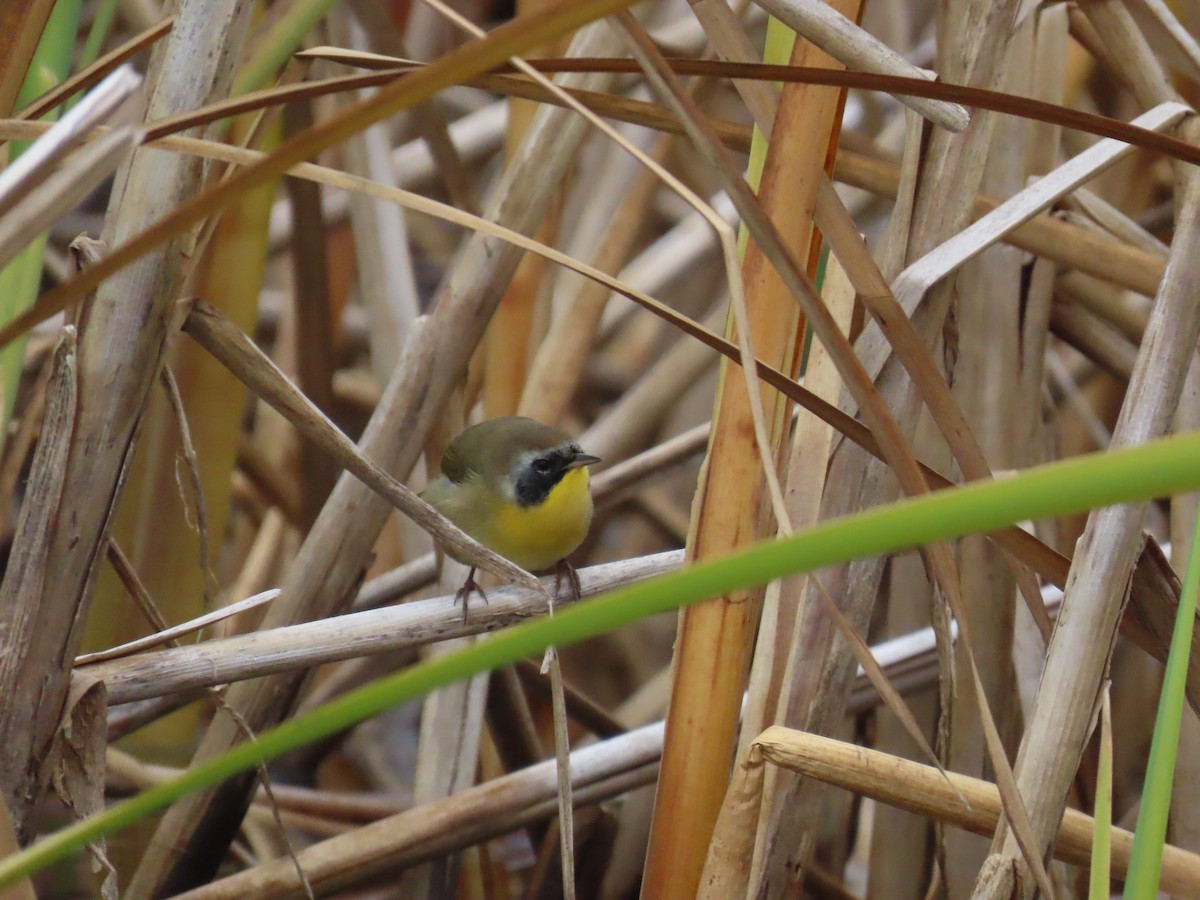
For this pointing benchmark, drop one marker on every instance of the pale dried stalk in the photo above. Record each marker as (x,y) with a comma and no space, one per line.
(122,340)
(639,411)
(175,632)
(61,191)
(558,366)
(108,103)
(1094,338)
(986,385)
(918,278)
(1135,61)
(386,280)
(426,832)
(808,457)
(474,136)
(922,789)
(1100,573)
(290,647)
(21,669)
(1172,40)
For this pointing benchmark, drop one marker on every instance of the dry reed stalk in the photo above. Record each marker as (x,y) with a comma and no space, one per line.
(118,358)
(421,833)
(713,649)
(903,845)
(47,181)
(638,413)
(312,343)
(26,572)
(512,338)
(923,789)
(272,650)
(986,384)
(1094,338)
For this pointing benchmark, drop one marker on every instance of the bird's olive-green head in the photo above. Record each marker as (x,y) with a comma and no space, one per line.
(519,458)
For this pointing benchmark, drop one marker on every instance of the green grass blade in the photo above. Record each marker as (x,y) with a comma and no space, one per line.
(269,55)
(1154,470)
(1146,862)
(106,12)
(1100,881)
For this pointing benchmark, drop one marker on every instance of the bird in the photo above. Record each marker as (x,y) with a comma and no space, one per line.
(520,488)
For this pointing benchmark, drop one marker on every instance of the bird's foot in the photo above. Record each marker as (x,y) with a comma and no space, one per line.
(565,569)
(470,586)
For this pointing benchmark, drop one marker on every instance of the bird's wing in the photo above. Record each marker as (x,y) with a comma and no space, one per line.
(453,465)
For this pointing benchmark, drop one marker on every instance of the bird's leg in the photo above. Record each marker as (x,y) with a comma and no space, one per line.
(464,593)
(565,568)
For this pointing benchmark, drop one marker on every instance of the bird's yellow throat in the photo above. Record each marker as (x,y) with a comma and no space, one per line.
(537,537)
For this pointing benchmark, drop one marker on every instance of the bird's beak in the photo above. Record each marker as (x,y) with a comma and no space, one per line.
(582,460)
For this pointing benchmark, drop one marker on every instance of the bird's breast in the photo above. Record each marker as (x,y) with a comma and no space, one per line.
(537,537)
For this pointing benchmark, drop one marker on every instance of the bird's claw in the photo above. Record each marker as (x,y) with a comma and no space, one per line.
(565,568)
(463,595)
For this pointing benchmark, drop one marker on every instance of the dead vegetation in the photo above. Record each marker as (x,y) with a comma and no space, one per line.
(261,261)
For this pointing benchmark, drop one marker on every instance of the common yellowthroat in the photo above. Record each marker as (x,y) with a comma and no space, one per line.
(521,489)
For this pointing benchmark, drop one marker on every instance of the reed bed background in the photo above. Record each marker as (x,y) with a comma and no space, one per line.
(798,270)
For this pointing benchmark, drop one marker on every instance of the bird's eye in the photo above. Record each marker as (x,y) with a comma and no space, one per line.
(541,466)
